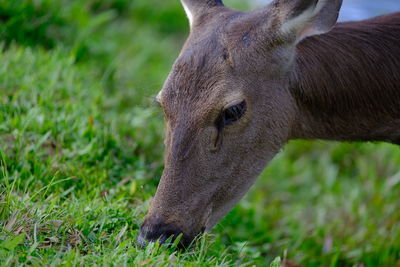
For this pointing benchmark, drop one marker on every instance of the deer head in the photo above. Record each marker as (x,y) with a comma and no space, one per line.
(228,108)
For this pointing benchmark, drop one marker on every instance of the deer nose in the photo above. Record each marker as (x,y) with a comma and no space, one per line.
(154,229)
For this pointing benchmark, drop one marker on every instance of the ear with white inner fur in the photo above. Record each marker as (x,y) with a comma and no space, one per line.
(307,17)
(195,8)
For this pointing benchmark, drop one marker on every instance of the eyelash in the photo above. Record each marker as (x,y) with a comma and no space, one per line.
(231,115)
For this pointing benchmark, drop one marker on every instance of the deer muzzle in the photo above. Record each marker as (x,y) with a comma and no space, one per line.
(154,228)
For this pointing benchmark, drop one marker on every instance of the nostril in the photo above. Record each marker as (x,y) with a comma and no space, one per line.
(160,231)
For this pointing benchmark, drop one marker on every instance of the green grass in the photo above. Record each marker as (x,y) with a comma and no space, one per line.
(81,154)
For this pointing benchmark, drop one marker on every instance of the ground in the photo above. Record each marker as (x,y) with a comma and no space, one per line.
(81,155)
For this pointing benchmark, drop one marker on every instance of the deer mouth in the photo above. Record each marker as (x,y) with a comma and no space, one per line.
(162,232)
(155,228)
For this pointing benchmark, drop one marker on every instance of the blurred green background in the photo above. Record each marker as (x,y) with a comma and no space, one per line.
(81,154)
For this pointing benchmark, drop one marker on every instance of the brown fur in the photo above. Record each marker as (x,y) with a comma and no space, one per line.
(346,82)
(343,85)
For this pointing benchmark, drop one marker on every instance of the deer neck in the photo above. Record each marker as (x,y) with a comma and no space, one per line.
(346,83)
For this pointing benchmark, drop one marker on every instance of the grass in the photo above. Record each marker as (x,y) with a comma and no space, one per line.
(81,154)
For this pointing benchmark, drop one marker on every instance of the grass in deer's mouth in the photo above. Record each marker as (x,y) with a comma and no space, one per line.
(81,143)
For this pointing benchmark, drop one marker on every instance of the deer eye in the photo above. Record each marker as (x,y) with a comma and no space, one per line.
(231,115)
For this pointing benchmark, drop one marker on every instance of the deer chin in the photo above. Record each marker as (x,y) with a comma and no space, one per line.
(219,212)
(217,215)
(207,218)
(212,222)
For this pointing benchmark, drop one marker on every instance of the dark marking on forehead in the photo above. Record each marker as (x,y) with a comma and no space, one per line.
(246,39)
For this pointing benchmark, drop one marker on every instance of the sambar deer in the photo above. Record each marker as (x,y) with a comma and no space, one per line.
(247,82)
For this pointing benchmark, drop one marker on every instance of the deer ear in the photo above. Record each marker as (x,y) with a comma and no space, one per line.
(195,8)
(307,17)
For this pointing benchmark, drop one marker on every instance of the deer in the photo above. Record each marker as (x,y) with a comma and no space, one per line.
(247,82)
